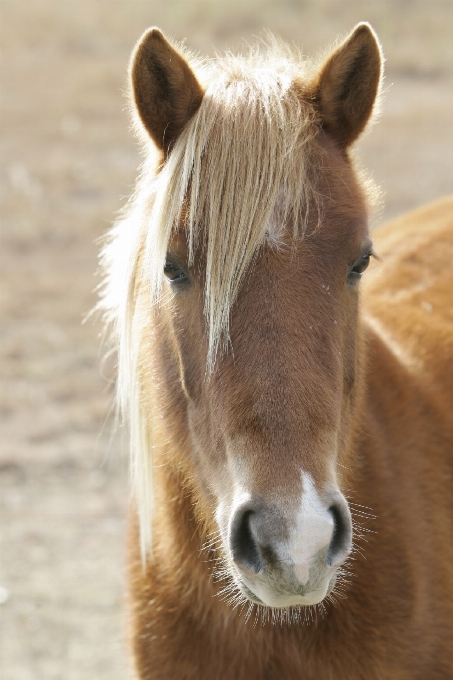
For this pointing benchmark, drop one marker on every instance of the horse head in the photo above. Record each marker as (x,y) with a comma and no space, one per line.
(244,277)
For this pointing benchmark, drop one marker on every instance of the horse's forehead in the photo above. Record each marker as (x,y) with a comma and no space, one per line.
(336,228)
(335,238)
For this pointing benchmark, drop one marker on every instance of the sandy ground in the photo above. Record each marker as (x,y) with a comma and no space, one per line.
(67,164)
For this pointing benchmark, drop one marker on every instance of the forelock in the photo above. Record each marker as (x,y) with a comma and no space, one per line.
(250,140)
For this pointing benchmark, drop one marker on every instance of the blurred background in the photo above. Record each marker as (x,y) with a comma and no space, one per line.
(68,163)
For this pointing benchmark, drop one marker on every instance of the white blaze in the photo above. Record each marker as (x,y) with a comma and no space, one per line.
(313,530)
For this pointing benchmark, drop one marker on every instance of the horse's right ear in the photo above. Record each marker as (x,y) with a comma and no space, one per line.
(165,90)
(348,84)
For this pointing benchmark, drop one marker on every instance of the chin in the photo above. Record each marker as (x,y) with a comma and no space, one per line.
(276,598)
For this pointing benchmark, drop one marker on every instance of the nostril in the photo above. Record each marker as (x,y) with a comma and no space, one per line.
(243,545)
(340,544)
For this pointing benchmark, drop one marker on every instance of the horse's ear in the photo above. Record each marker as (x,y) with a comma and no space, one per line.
(348,83)
(165,90)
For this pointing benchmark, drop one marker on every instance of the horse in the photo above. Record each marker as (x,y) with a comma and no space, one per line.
(291,426)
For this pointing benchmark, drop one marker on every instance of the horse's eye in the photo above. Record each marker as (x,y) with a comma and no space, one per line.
(357,270)
(174,273)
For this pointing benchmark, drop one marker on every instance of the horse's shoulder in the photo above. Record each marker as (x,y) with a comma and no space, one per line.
(417,228)
(408,297)
(416,267)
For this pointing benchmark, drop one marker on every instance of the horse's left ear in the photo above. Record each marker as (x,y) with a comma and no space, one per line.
(165,90)
(348,83)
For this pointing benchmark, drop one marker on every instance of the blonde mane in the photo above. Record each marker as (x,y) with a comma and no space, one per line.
(243,166)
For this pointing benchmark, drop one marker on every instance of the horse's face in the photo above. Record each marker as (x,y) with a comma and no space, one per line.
(269,427)
(264,436)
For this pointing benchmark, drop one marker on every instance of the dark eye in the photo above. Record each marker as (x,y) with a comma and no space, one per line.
(174,273)
(357,270)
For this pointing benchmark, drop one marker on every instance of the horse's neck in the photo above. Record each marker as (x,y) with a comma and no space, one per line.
(387,387)
(397,463)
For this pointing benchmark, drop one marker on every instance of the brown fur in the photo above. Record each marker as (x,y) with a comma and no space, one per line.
(305,360)
(396,622)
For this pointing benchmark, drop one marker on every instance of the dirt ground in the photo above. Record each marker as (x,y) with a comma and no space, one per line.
(67,164)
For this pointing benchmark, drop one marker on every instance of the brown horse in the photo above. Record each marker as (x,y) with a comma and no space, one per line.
(261,395)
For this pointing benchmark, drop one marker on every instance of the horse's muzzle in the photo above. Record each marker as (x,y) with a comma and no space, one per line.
(286,561)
